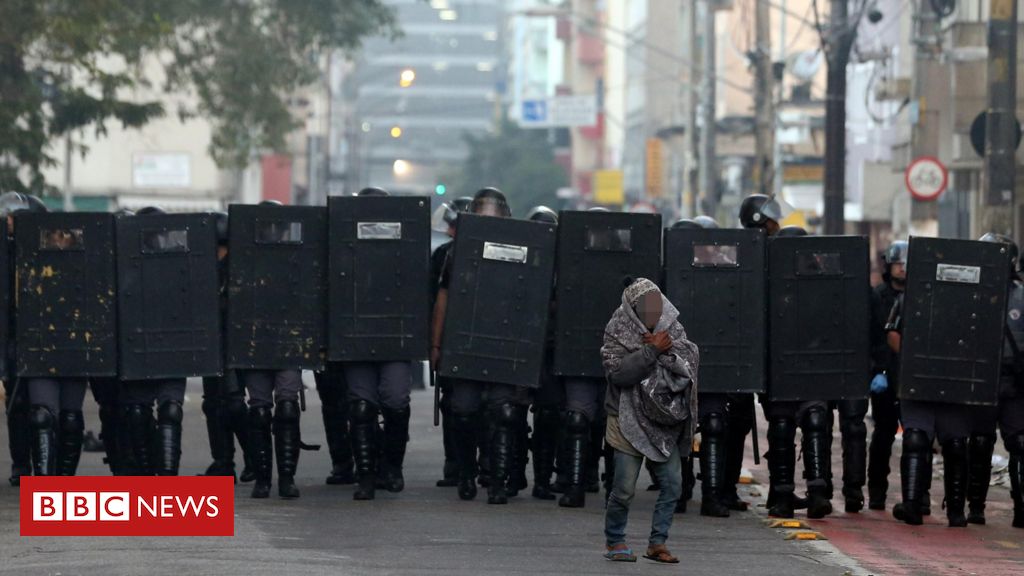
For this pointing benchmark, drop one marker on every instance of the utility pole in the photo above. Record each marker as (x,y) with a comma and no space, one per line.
(708,169)
(996,212)
(692,137)
(837,51)
(764,137)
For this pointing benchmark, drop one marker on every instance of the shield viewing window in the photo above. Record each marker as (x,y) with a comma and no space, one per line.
(819,264)
(716,255)
(277,232)
(61,239)
(164,241)
(379,231)
(610,239)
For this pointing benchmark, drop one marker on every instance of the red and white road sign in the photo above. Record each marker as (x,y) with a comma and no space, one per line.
(926,178)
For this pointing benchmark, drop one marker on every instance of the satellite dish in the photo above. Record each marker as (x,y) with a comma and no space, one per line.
(805,65)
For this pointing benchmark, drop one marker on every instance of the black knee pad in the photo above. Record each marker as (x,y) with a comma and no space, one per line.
(713,424)
(287,411)
(1015,444)
(506,414)
(71,421)
(816,419)
(546,414)
(260,416)
(781,428)
(576,422)
(856,427)
(41,418)
(955,448)
(169,413)
(985,441)
(363,411)
(137,414)
(915,440)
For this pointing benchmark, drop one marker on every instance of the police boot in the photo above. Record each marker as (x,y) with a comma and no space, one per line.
(44,442)
(688,483)
(334,409)
(364,448)
(738,425)
(913,468)
(396,437)
(817,461)
(574,456)
(465,429)
(287,442)
(926,494)
(781,462)
(879,454)
(545,435)
(592,472)
(979,473)
(19,439)
(517,475)
(72,429)
(503,449)
(238,416)
(261,450)
(712,465)
(168,438)
(450,472)
(219,434)
(138,419)
(854,440)
(485,437)
(110,422)
(1015,446)
(954,456)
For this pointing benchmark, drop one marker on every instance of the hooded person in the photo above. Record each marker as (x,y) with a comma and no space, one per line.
(651,401)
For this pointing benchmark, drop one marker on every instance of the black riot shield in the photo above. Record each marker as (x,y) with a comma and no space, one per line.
(954,314)
(597,251)
(716,278)
(5,299)
(66,317)
(167,295)
(499,299)
(379,287)
(819,315)
(277,287)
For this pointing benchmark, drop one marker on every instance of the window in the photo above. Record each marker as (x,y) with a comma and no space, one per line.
(819,264)
(277,232)
(610,239)
(715,256)
(62,239)
(161,241)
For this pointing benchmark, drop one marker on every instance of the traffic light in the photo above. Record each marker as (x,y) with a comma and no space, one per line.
(440,189)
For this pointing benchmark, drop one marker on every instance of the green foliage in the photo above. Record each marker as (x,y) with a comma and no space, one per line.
(66,65)
(519,162)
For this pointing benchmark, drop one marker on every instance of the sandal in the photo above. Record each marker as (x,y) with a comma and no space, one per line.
(659,553)
(620,555)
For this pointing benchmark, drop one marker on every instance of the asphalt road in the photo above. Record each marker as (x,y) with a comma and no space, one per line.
(423,530)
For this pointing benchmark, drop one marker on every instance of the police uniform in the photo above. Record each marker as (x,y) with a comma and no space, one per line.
(334,406)
(136,398)
(273,406)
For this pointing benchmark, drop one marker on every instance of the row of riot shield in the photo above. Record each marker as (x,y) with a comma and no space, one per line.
(790,316)
(138,296)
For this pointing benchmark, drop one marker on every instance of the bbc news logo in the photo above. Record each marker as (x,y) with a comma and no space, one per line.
(127,506)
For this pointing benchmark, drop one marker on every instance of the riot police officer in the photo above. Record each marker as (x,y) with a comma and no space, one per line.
(273,415)
(547,400)
(137,399)
(814,417)
(19,440)
(1009,414)
(378,388)
(223,397)
(885,405)
(504,402)
(449,216)
(334,407)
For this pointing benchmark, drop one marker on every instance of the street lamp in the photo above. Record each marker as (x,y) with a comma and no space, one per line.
(396,132)
(400,167)
(406,78)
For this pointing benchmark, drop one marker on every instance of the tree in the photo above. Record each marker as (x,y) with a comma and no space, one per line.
(517,161)
(67,65)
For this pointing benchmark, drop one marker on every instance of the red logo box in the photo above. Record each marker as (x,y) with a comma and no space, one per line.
(127,506)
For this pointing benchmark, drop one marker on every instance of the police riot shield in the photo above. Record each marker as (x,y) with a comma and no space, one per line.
(819,299)
(379,287)
(66,311)
(499,299)
(277,287)
(5,299)
(597,251)
(954,312)
(167,295)
(716,278)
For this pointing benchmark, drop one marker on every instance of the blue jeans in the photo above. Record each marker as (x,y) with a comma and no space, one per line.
(627,468)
